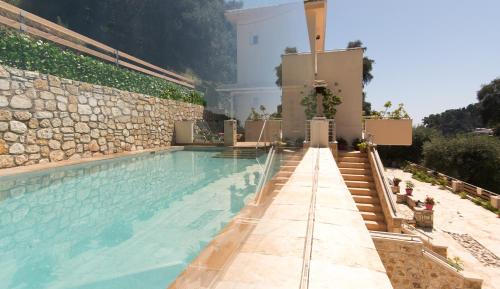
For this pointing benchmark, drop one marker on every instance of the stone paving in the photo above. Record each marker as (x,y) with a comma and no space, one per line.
(470,224)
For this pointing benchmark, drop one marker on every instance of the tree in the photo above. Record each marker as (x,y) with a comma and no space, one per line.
(367,72)
(179,35)
(455,121)
(278,69)
(489,102)
(471,158)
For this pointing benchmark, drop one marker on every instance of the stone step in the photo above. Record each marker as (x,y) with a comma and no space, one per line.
(360,184)
(286,174)
(354,171)
(376,226)
(342,165)
(288,168)
(363,192)
(349,177)
(353,159)
(371,216)
(290,163)
(352,154)
(366,200)
(369,208)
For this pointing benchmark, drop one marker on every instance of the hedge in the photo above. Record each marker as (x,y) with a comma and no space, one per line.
(24,52)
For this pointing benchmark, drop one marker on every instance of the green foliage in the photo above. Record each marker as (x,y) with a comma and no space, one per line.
(27,53)
(471,158)
(254,115)
(410,185)
(463,195)
(278,69)
(330,102)
(455,121)
(180,35)
(489,102)
(398,113)
(367,73)
(456,263)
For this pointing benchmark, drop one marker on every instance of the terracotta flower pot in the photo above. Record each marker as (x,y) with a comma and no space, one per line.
(429,207)
(409,192)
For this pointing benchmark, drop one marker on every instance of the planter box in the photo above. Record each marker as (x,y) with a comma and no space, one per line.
(390,131)
(272,132)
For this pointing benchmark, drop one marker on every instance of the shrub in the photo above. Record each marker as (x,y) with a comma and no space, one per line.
(471,158)
(27,53)
(463,195)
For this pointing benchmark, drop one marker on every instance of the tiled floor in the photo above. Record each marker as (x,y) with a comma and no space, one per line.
(264,247)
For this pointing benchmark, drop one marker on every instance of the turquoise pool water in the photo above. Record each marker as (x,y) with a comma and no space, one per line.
(134,222)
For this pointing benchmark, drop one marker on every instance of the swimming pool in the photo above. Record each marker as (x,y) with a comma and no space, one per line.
(133,222)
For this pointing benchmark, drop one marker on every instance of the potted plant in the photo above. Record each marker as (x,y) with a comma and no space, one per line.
(363,147)
(409,188)
(395,185)
(429,203)
(342,144)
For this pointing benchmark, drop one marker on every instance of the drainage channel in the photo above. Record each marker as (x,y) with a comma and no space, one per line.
(306,259)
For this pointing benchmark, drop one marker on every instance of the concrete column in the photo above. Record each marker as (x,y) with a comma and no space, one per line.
(495,201)
(457,186)
(230,132)
(319,132)
(184,132)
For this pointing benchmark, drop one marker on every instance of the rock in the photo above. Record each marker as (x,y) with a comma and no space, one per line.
(93,146)
(47,95)
(56,156)
(20,102)
(3,73)
(33,123)
(4,148)
(5,115)
(55,145)
(62,106)
(3,101)
(4,84)
(56,122)
(4,126)
(95,133)
(45,133)
(45,123)
(43,114)
(67,121)
(84,109)
(41,84)
(68,145)
(9,136)
(22,115)
(85,138)
(82,127)
(6,161)
(72,107)
(16,149)
(72,89)
(32,149)
(51,105)
(18,127)
(20,160)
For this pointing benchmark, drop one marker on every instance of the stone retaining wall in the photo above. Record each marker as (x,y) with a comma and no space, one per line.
(408,267)
(46,119)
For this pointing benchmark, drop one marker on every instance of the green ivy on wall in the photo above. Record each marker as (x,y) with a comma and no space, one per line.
(24,52)
(330,102)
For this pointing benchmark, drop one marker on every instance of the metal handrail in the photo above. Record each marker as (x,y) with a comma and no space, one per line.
(265,175)
(385,184)
(261,133)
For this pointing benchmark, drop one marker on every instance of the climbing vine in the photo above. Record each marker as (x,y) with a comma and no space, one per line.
(331,99)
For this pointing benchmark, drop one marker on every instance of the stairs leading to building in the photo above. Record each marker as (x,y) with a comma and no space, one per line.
(356,171)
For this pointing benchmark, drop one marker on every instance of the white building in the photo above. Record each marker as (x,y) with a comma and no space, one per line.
(262,35)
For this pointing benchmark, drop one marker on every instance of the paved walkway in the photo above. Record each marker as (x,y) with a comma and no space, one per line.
(341,255)
(471,232)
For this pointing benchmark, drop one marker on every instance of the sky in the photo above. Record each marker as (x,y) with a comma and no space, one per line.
(431,55)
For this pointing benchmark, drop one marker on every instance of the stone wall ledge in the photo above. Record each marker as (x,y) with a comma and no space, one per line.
(46,119)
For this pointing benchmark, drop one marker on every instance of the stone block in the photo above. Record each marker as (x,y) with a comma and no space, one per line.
(495,201)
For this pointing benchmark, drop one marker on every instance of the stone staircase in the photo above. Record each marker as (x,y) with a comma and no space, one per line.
(356,171)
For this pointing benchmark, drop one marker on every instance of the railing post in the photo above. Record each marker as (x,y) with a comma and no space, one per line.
(22,24)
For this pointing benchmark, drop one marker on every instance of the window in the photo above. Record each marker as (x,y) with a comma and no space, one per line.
(254,40)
